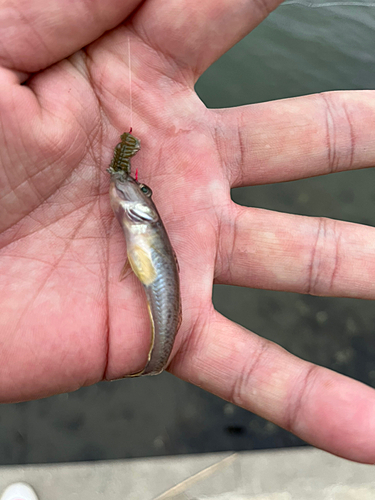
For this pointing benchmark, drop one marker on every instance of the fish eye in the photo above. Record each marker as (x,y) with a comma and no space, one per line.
(145,189)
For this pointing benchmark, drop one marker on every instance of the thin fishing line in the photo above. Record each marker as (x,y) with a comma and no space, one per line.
(130,84)
(313,5)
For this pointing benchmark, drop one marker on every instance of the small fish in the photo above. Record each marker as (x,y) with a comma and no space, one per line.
(150,253)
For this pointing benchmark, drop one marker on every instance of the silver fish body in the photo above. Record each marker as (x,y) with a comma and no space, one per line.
(153,261)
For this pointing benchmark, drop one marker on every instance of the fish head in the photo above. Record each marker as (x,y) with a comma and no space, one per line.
(131,201)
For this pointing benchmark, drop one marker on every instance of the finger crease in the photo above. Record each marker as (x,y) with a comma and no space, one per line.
(325,259)
(330,135)
(352,138)
(240,390)
(298,400)
(241,150)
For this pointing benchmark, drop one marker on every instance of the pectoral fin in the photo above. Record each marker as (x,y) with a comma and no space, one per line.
(142,265)
(125,271)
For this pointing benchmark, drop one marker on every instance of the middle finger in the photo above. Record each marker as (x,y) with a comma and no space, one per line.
(270,250)
(296,138)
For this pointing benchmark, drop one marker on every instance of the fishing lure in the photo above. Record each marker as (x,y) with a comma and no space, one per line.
(124,151)
(149,251)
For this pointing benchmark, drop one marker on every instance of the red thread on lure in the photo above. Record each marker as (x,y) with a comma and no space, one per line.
(131,129)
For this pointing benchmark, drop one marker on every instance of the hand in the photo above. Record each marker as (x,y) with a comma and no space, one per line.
(66,319)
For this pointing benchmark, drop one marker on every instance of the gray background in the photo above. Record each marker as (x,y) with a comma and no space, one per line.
(296,51)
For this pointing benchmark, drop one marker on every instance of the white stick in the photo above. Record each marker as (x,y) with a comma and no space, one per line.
(199,476)
(312,5)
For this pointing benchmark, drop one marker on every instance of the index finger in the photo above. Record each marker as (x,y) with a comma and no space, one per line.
(297,138)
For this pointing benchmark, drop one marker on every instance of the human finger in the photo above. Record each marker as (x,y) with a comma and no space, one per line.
(296,138)
(43,33)
(194,33)
(320,256)
(328,410)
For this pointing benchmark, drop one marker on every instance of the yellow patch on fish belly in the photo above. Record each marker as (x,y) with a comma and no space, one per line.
(142,265)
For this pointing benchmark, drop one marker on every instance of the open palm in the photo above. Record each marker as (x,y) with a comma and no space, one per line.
(66,319)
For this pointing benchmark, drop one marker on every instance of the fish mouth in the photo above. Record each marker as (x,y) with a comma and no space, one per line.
(118,175)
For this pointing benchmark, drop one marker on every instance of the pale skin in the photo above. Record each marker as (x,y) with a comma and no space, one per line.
(66,319)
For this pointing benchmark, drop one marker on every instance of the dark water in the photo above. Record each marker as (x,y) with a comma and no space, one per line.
(297,51)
